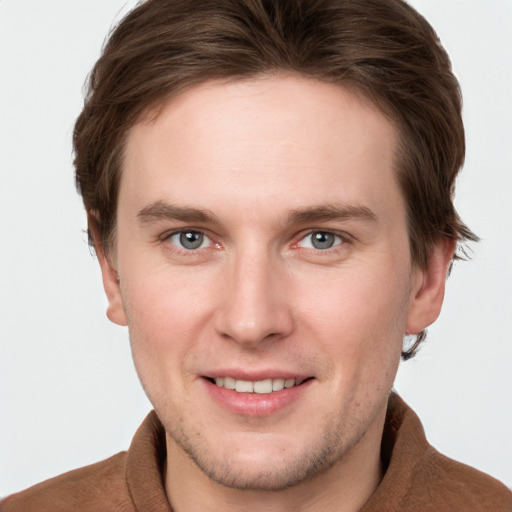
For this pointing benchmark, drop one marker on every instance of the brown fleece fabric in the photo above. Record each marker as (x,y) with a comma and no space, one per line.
(417,477)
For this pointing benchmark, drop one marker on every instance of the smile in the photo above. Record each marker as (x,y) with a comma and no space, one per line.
(262,387)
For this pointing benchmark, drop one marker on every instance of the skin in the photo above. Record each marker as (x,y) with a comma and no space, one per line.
(269,160)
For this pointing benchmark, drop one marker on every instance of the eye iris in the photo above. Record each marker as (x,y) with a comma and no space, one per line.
(191,239)
(322,240)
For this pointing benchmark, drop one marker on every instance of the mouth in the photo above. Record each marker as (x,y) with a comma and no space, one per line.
(270,393)
(261,387)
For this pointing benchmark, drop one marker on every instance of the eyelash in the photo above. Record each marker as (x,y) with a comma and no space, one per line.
(169,236)
(340,239)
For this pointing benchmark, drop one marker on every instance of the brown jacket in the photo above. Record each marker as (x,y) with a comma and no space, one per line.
(417,477)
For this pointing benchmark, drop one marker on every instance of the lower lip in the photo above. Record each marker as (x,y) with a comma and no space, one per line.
(254,404)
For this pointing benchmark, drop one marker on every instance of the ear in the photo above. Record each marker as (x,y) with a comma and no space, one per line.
(111,284)
(428,288)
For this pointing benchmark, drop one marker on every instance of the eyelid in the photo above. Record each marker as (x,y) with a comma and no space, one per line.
(343,236)
(166,237)
(167,234)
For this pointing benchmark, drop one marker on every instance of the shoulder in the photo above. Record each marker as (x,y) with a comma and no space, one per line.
(100,486)
(418,477)
(126,482)
(452,485)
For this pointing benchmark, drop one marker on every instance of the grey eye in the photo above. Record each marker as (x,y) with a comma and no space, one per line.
(189,240)
(321,240)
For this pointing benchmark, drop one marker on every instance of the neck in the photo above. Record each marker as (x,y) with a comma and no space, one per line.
(344,487)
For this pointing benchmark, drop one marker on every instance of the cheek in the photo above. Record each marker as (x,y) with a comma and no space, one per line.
(166,314)
(359,316)
(160,296)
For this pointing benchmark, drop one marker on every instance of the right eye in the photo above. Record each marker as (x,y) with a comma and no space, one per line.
(321,240)
(189,240)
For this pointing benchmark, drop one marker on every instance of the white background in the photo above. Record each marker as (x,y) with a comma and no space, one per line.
(69,395)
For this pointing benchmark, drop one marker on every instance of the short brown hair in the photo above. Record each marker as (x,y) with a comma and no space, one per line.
(383,49)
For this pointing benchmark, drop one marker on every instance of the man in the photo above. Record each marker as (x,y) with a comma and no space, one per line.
(269,193)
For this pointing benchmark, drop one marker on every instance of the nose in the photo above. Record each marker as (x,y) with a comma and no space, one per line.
(253,301)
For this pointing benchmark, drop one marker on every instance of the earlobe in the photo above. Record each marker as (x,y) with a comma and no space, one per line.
(110,277)
(111,284)
(428,288)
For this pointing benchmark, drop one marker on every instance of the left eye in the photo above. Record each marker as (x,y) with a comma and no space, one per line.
(190,240)
(321,240)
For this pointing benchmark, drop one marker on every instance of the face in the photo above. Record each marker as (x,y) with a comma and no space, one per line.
(265,276)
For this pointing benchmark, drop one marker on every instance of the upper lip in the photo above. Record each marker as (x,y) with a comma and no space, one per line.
(255,376)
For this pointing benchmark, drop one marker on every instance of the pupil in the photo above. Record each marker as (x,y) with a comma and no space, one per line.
(191,239)
(322,240)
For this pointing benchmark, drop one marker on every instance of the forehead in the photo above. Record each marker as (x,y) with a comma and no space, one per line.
(267,143)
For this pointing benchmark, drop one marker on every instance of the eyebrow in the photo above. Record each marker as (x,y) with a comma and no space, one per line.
(160,210)
(325,213)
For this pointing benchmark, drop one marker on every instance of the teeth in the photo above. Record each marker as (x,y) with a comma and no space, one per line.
(262,387)
(289,383)
(244,386)
(277,384)
(229,383)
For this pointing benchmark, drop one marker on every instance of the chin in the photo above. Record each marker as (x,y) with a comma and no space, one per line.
(269,476)
(263,466)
